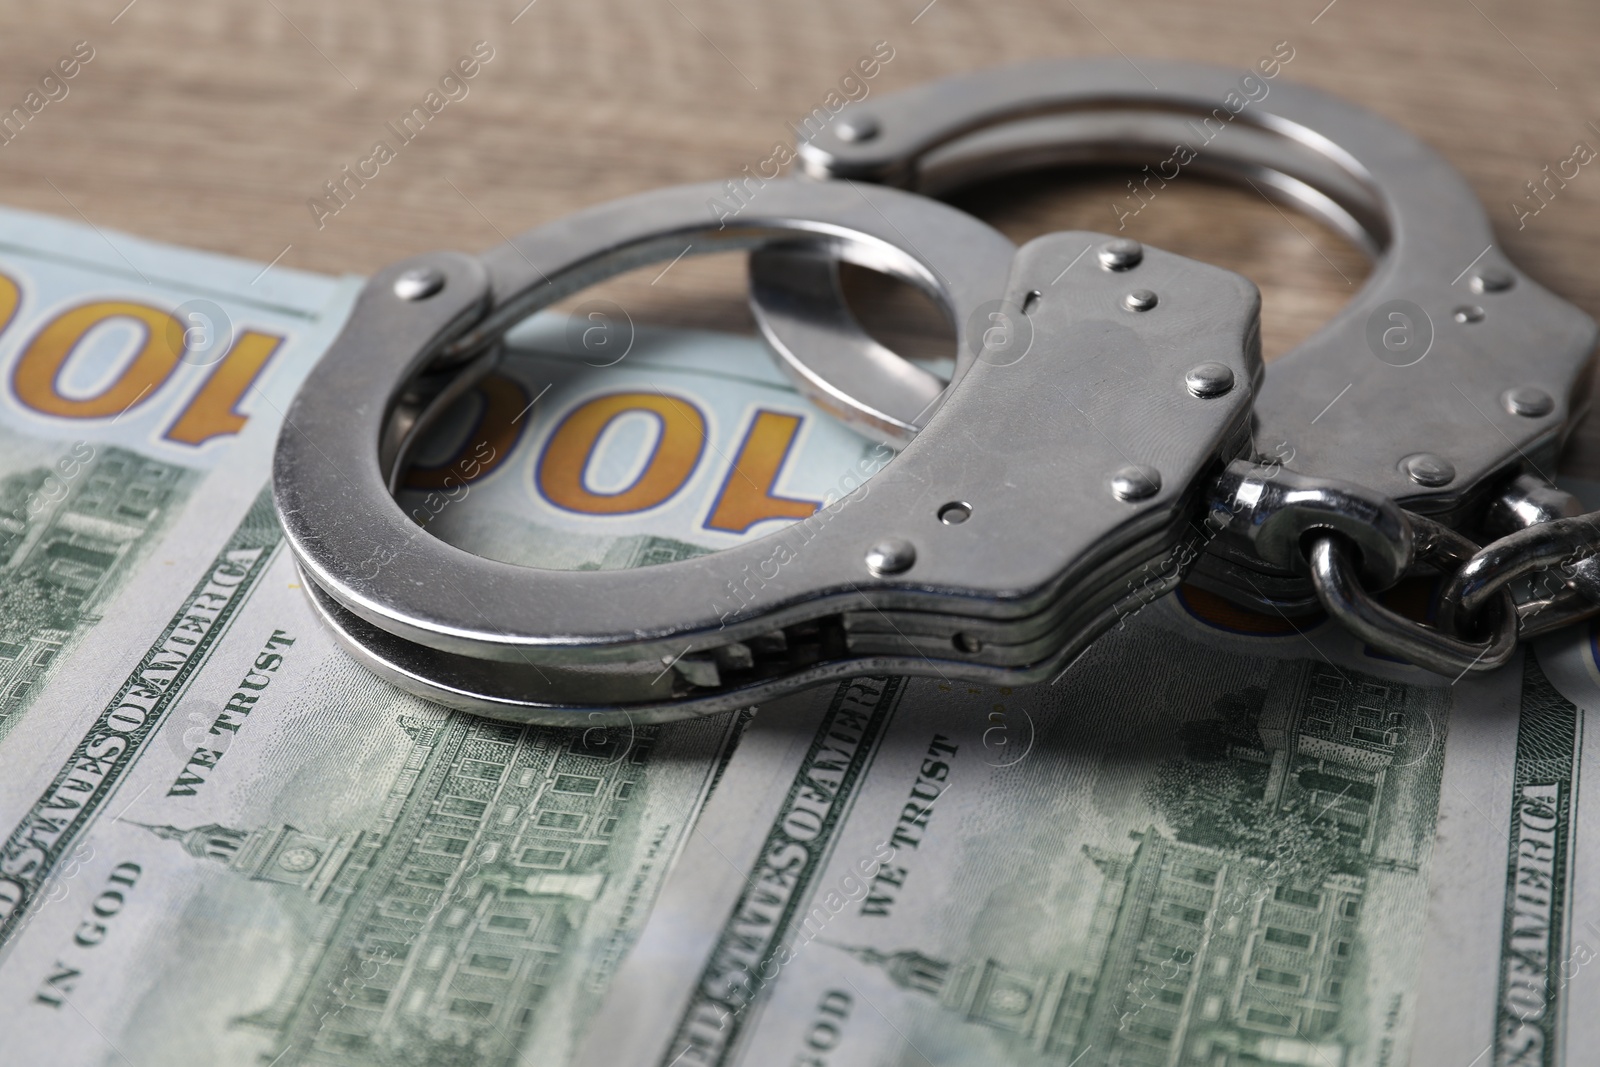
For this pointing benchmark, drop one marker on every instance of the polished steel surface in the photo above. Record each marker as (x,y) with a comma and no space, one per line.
(1265,512)
(1339,589)
(1494,567)
(1104,429)
(1043,559)
(1527,500)
(1385,189)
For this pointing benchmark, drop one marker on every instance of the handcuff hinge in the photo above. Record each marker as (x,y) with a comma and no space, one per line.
(1267,510)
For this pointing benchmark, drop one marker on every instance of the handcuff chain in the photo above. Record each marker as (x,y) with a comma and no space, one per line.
(1526,584)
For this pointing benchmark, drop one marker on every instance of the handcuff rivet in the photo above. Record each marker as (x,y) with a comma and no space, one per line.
(419,283)
(1207,380)
(1492,280)
(1528,401)
(1135,482)
(1122,253)
(893,555)
(966,643)
(1139,300)
(1428,470)
(858,128)
(1468,313)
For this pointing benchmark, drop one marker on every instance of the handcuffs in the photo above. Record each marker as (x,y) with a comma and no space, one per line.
(1108,431)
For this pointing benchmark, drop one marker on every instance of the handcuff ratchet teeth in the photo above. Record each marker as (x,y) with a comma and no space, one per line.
(1130,435)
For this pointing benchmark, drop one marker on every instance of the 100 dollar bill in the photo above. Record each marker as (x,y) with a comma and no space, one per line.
(132,370)
(1200,847)
(226,843)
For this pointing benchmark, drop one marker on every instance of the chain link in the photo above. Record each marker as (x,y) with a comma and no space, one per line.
(1335,577)
(1541,552)
(1523,585)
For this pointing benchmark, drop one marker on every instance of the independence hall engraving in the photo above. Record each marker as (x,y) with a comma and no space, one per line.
(444,925)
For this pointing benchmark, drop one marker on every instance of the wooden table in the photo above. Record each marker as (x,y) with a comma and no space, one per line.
(214,125)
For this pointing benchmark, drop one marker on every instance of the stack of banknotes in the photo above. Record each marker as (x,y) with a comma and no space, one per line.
(1219,839)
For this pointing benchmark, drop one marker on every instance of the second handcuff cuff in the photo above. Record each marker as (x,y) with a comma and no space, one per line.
(1371,458)
(1042,499)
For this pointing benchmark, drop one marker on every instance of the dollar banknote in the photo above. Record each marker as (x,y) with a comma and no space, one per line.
(132,369)
(1217,840)
(224,842)
(1514,931)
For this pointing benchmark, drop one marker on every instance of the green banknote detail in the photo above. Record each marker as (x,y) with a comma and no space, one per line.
(1535,931)
(111,744)
(483,908)
(72,530)
(794,854)
(443,889)
(1237,875)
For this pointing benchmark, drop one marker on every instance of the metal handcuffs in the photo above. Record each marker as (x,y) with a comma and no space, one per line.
(1456,434)
(1042,499)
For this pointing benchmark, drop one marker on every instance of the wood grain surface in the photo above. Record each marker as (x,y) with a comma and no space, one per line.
(213,125)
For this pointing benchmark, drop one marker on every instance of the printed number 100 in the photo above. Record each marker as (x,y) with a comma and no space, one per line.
(210,411)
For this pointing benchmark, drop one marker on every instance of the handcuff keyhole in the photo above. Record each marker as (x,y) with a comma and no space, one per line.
(1030,302)
(955,513)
